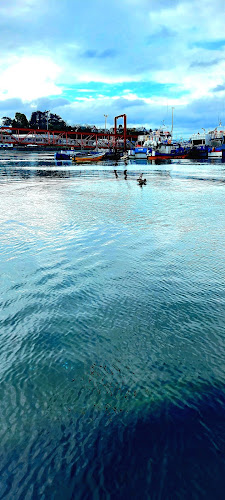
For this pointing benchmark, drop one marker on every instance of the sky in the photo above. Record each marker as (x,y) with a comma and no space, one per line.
(83,59)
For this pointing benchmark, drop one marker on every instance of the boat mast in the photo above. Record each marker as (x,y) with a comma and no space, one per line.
(172,122)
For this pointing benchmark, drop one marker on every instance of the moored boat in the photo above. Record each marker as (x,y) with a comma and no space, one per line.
(168,152)
(207,144)
(156,139)
(140,152)
(63,155)
(156,155)
(88,158)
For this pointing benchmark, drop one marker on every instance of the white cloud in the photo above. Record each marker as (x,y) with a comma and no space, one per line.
(15,8)
(29,78)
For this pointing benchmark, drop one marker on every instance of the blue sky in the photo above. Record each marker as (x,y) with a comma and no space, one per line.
(84,59)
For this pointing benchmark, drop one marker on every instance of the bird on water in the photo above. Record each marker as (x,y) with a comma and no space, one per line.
(141,181)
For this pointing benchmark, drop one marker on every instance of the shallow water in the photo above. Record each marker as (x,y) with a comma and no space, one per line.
(112,329)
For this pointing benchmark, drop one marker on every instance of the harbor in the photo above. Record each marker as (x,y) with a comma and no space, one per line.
(155,144)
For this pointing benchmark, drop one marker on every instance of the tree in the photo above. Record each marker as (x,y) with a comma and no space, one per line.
(38,120)
(20,120)
(6,121)
(55,122)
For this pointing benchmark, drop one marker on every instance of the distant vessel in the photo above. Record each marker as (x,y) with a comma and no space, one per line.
(6,145)
(155,139)
(215,143)
(208,144)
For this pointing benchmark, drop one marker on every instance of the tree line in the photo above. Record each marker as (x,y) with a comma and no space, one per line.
(45,120)
(38,120)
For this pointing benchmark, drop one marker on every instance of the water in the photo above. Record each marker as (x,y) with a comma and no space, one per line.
(112,351)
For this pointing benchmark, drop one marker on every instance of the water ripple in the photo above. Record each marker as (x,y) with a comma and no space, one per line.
(112,330)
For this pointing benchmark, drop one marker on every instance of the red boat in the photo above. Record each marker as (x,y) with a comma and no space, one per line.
(169,156)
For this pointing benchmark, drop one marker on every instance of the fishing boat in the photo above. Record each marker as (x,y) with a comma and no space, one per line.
(215,142)
(207,144)
(155,139)
(162,156)
(199,146)
(168,152)
(88,158)
(157,155)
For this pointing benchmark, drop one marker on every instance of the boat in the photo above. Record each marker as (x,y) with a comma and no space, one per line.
(88,158)
(207,144)
(5,145)
(63,155)
(140,152)
(168,152)
(156,155)
(216,138)
(112,155)
(155,139)
(199,146)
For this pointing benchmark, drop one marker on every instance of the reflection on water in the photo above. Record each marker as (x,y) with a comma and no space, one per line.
(112,329)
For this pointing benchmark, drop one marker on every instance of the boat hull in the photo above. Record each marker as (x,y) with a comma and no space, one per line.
(167,156)
(88,159)
(215,155)
(140,153)
(198,152)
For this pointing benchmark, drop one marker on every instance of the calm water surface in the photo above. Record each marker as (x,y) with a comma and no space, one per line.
(112,347)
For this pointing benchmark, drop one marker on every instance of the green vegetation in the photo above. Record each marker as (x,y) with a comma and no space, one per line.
(38,120)
(44,120)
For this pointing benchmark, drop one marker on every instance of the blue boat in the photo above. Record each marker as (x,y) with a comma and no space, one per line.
(63,155)
(140,152)
(199,148)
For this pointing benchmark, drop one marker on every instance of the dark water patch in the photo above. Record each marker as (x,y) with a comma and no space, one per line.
(172,452)
(163,451)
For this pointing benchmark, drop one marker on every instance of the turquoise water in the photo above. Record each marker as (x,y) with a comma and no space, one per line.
(112,350)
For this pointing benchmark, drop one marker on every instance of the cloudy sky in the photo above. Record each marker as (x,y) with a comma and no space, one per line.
(85,58)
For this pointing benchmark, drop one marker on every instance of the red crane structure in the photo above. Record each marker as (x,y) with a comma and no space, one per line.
(124,129)
(69,139)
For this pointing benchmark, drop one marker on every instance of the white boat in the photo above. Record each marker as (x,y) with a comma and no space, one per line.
(153,140)
(216,140)
(212,140)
